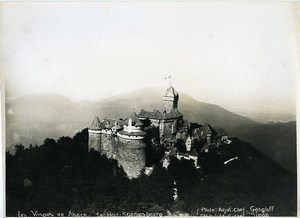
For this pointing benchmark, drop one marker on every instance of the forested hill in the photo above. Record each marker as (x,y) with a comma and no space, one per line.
(61,176)
(276,140)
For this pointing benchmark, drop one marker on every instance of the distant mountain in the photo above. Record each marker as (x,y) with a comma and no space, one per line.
(39,116)
(193,110)
(270,117)
(276,140)
(32,118)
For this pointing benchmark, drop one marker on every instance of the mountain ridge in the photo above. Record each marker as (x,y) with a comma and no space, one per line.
(33,120)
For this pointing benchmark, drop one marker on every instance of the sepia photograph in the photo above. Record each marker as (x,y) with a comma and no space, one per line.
(125,108)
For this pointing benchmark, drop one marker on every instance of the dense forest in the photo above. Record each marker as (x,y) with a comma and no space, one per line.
(61,177)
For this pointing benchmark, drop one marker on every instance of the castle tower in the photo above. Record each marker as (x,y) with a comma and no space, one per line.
(171,117)
(170,100)
(95,134)
(132,148)
(109,141)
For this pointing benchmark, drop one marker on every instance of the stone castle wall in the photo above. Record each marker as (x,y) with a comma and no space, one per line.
(107,144)
(94,140)
(170,103)
(132,156)
(167,129)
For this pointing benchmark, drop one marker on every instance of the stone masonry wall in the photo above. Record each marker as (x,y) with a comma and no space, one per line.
(107,145)
(94,141)
(166,131)
(132,156)
(170,103)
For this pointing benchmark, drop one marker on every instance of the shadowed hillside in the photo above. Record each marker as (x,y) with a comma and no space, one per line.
(62,176)
(277,140)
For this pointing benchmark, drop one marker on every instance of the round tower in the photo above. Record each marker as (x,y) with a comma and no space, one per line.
(132,148)
(95,134)
(170,99)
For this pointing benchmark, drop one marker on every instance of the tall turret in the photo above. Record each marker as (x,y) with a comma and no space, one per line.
(132,148)
(171,119)
(95,134)
(170,99)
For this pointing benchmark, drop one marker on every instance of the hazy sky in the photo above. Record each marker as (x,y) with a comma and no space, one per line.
(237,55)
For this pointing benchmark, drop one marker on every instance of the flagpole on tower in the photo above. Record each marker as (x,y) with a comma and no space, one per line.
(169,78)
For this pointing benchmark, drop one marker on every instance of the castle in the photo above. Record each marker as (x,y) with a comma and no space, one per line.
(125,140)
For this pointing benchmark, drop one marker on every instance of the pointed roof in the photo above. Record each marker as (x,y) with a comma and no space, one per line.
(109,123)
(165,157)
(174,113)
(96,124)
(117,125)
(193,152)
(134,118)
(155,114)
(206,128)
(220,131)
(171,92)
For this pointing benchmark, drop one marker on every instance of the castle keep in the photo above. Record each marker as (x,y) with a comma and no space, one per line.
(125,140)
(170,120)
